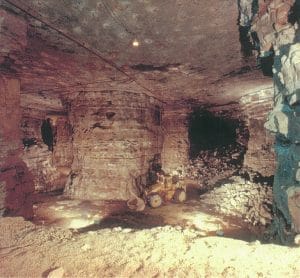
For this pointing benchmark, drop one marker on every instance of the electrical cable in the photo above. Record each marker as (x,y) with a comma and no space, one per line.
(84,45)
(115,17)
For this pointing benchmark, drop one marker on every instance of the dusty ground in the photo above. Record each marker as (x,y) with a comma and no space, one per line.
(88,215)
(105,239)
(28,250)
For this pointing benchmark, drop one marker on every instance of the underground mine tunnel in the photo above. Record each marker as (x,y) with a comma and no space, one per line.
(149,138)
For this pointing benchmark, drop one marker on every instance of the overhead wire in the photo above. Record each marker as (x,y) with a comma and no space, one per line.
(116,18)
(35,15)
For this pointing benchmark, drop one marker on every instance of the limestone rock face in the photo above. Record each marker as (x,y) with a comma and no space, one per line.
(283,121)
(13,31)
(116,134)
(272,18)
(49,168)
(259,156)
(16,183)
(175,153)
(106,121)
(294,203)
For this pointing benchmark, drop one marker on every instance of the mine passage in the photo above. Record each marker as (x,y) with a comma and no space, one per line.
(149,138)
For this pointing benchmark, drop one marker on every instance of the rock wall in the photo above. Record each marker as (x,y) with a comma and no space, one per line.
(26,163)
(277,26)
(175,153)
(50,168)
(219,138)
(259,156)
(52,70)
(16,183)
(116,134)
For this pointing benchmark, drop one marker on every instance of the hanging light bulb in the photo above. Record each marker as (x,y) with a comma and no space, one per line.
(135,43)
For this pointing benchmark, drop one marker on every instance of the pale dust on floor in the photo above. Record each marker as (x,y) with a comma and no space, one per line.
(27,250)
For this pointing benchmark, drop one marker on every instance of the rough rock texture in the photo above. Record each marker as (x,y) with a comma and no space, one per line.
(175,153)
(114,139)
(218,141)
(259,156)
(277,28)
(251,150)
(49,168)
(169,32)
(16,184)
(243,199)
(210,166)
(13,32)
(246,12)
(181,53)
(106,117)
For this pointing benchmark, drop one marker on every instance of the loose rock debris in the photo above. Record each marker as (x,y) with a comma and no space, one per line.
(28,250)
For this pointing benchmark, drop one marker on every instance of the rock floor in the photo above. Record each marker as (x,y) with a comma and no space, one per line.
(77,238)
(29,250)
(86,215)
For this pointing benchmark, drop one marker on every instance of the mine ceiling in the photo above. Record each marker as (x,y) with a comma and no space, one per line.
(187,49)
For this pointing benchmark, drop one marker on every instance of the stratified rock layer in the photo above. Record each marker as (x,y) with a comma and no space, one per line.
(116,134)
(259,156)
(16,183)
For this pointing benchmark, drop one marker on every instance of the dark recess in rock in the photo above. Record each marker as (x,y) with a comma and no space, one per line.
(110,115)
(245,40)
(294,14)
(157,116)
(7,65)
(27,142)
(266,64)
(208,132)
(143,67)
(47,134)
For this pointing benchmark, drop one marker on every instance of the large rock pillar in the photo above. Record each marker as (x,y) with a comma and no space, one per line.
(16,183)
(278,31)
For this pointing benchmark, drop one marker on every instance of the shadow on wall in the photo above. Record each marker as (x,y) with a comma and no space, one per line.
(17,188)
(294,13)
(247,9)
(287,172)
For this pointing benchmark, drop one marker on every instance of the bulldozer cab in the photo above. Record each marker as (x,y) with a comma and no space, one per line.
(167,188)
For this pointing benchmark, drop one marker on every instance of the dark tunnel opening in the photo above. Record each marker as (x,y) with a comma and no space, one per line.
(218,143)
(210,132)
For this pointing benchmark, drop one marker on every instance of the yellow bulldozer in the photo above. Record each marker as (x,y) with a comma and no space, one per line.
(155,187)
(167,188)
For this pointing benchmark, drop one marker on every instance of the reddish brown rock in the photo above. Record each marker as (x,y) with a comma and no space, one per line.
(16,184)
(260,155)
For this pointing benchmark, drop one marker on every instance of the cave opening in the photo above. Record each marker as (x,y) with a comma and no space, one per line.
(217,145)
(210,132)
(47,134)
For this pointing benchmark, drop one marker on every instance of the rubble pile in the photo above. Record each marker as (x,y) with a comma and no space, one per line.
(213,165)
(244,199)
